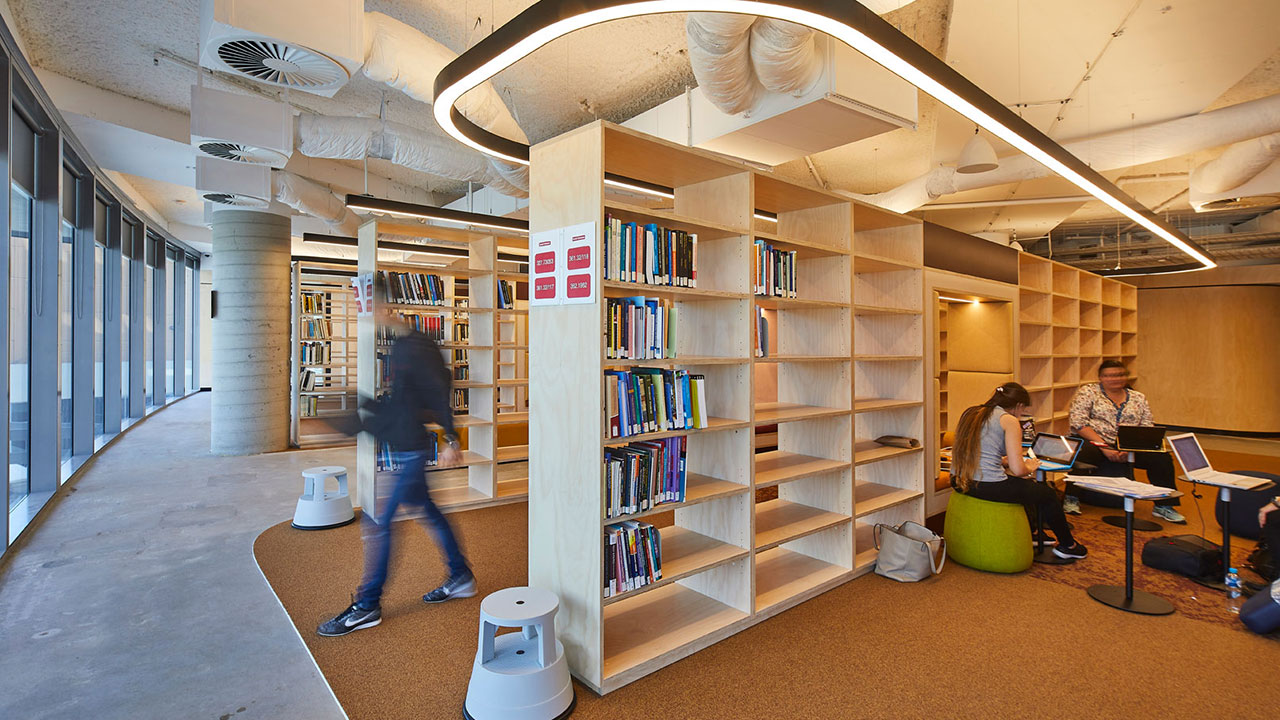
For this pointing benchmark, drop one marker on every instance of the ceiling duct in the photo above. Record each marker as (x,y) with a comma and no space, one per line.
(308,45)
(234,184)
(241,128)
(1247,174)
(1262,190)
(850,99)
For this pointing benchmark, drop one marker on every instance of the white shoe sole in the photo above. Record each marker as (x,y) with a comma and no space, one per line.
(361,626)
(1068,556)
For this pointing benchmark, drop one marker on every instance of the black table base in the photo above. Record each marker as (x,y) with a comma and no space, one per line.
(1045,556)
(1140,602)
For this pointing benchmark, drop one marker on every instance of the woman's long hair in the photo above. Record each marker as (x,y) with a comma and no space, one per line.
(967,451)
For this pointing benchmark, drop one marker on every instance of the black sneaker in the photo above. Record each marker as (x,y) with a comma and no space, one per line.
(463,586)
(1075,550)
(349,620)
(1043,539)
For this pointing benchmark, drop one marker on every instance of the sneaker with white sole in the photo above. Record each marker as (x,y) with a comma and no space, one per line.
(1071,505)
(1170,513)
(1076,551)
(349,620)
(1042,539)
(463,586)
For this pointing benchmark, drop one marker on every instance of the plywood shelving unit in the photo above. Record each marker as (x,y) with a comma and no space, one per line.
(323,345)
(1069,322)
(845,366)
(486,361)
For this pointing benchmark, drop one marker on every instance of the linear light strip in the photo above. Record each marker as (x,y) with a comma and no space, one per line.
(959,300)
(427,212)
(346,241)
(847,21)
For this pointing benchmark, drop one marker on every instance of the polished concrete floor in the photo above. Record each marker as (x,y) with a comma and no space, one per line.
(137,595)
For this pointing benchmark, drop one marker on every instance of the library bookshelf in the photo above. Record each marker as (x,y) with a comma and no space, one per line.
(323,353)
(1069,321)
(481,343)
(844,366)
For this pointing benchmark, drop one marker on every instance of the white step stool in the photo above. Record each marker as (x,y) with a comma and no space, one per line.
(524,675)
(319,509)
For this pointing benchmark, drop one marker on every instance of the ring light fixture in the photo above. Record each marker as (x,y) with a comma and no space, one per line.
(848,21)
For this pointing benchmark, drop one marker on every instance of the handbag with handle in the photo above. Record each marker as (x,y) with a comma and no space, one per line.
(908,552)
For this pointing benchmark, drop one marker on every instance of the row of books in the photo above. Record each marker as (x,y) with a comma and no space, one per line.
(315,353)
(314,302)
(643,475)
(315,328)
(412,288)
(762,333)
(460,401)
(384,460)
(774,271)
(308,406)
(644,400)
(640,328)
(307,380)
(632,556)
(649,254)
(506,295)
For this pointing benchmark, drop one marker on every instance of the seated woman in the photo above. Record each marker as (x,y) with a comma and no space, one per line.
(987,437)
(1097,410)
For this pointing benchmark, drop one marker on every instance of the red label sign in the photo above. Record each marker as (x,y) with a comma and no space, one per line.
(578,258)
(544,262)
(544,288)
(579,286)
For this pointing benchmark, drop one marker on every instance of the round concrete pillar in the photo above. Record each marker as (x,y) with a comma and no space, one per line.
(251,333)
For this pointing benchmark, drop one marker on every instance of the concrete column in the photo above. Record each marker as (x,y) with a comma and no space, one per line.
(251,333)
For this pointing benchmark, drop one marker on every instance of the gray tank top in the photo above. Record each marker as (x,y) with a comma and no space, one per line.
(990,467)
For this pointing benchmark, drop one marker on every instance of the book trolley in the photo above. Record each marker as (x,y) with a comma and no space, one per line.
(754,533)
(1070,320)
(482,345)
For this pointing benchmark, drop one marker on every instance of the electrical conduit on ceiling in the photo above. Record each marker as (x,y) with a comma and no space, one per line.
(1126,148)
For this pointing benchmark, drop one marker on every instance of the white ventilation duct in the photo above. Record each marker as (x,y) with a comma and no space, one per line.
(720,53)
(348,138)
(1125,148)
(311,198)
(1239,164)
(785,56)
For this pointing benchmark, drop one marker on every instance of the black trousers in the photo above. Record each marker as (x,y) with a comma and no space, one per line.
(1032,496)
(1271,533)
(1159,467)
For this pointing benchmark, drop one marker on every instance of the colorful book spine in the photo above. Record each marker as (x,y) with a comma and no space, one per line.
(643,400)
(649,254)
(632,556)
(641,476)
(774,270)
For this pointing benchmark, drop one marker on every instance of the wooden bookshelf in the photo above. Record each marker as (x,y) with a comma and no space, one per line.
(1069,322)
(844,366)
(483,346)
(321,294)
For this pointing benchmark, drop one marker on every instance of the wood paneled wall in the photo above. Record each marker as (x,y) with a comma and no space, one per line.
(1211,356)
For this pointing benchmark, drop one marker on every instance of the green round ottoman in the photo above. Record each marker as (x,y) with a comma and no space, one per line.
(985,535)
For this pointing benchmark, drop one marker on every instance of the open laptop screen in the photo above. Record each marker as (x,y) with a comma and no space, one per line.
(1188,451)
(1056,448)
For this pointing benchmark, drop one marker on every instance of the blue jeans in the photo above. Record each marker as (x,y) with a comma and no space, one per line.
(410,489)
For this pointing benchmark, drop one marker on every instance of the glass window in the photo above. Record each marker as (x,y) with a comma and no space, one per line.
(188,345)
(66,269)
(125,286)
(148,330)
(20,209)
(99,314)
(169,328)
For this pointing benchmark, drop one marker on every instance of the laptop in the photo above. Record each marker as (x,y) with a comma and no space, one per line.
(1138,438)
(1187,449)
(1056,452)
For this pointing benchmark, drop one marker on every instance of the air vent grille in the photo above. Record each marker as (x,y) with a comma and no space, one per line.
(235,200)
(281,64)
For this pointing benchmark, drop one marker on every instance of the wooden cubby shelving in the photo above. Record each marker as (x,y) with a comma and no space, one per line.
(1090,318)
(493,351)
(321,298)
(845,366)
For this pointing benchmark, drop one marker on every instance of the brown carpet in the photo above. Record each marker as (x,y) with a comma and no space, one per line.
(964,644)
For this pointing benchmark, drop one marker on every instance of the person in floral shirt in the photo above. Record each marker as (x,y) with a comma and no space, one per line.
(1097,410)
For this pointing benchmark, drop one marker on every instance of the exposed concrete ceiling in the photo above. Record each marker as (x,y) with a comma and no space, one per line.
(1074,69)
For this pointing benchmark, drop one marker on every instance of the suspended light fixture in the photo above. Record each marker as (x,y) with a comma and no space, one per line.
(847,21)
(369,203)
(436,250)
(977,156)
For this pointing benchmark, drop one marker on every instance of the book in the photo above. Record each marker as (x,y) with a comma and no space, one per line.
(632,556)
(649,253)
(644,399)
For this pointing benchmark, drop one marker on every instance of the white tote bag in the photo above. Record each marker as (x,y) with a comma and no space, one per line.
(907,552)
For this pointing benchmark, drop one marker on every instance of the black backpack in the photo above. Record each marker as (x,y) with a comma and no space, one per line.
(1189,555)
(1262,562)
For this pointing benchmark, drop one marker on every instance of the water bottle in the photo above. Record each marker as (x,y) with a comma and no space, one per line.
(1233,591)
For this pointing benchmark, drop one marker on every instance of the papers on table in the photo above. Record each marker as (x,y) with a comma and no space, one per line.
(1119,486)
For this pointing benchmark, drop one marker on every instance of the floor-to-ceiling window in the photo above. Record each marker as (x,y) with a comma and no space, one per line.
(190,319)
(99,314)
(66,276)
(21,189)
(170,328)
(126,258)
(148,320)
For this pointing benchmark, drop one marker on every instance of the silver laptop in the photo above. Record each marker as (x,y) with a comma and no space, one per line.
(1187,448)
